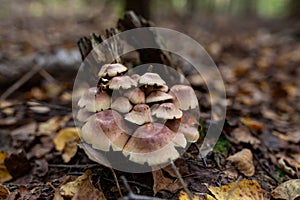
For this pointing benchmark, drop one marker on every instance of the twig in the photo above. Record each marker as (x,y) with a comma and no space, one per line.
(116,181)
(73,166)
(132,196)
(187,191)
(233,188)
(200,155)
(20,82)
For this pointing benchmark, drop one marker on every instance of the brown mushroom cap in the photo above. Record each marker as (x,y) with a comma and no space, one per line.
(184,97)
(111,70)
(124,82)
(121,104)
(167,111)
(105,129)
(153,143)
(151,79)
(157,96)
(140,114)
(136,96)
(94,100)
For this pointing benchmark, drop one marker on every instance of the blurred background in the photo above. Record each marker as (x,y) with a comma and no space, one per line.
(49,30)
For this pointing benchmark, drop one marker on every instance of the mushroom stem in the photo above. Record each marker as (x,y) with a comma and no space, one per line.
(187,191)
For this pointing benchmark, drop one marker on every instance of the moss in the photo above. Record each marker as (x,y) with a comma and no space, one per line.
(222,146)
(280,174)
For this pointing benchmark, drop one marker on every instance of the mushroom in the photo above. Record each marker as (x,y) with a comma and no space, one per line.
(94,100)
(153,143)
(112,70)
(185,126)
(124,82)
(157,96)
(104,129)
(139,115)
(151,79)
(184,97)
(121,104)
(167,111)
(83,115)
(135,96)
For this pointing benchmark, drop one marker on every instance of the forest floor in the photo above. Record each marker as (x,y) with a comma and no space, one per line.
(258,59)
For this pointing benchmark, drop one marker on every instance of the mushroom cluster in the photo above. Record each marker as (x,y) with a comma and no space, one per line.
(138,114)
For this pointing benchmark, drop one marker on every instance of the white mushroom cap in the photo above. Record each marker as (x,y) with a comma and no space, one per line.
(136,96)
(83,115)
(105,129)
(167,111)
(111,70)
(153,143)
(184,97)
(94,100)
(121,104)
(124,82)
(135,77)
(151,79)
(140,114)
(157,96)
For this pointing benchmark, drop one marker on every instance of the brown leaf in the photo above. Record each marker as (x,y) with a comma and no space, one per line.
(289,190)
(183,196)
(161,182)
(244,189)
(243,161)
(292,136)
(4,174)
(4,192)
(17,163)
(242,134)
(81,188)
(252,124)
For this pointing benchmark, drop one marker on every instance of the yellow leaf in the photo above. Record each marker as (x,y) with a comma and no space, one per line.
(252,124)
(4,174)
(50,126)
(66,141)
(183,196)
(244,189)
(289,190)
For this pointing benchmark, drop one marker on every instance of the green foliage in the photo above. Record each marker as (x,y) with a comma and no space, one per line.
(222,146)
(280,174)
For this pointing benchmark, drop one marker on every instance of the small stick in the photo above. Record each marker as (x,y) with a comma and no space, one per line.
(20,82)
(200,155)
(233,188)
(73,166)
(116,181)
(187,191)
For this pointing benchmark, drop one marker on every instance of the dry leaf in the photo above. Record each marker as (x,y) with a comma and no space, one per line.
(244,189)
(243,161)
(252,124)
(242,134)
(289,190)
(161,182)
(4,174)
(81,188)
(289,165)
(17,163)
(66,141)
(293,136)
(50,126)
(4,192)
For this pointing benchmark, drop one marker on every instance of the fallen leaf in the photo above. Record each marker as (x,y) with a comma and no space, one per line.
(7,107)
(242,134)
(17,163)
(161,182)
(50,126)
(244,189)
(183,196)
(252,124)
(289,165)
(289,190)
(4,192)
(243,161)
(81,188)
(292,136)
(4,174)
(66,141)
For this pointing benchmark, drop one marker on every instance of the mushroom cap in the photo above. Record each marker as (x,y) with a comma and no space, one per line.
(153,143)
(82,115)
(104,129)
(140,114)
(111,70)
(94,100)
(151,79)
(184,97)
(124,82)
(136,96)
(157,96)
(135,77)
(167,111)
(121,104)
